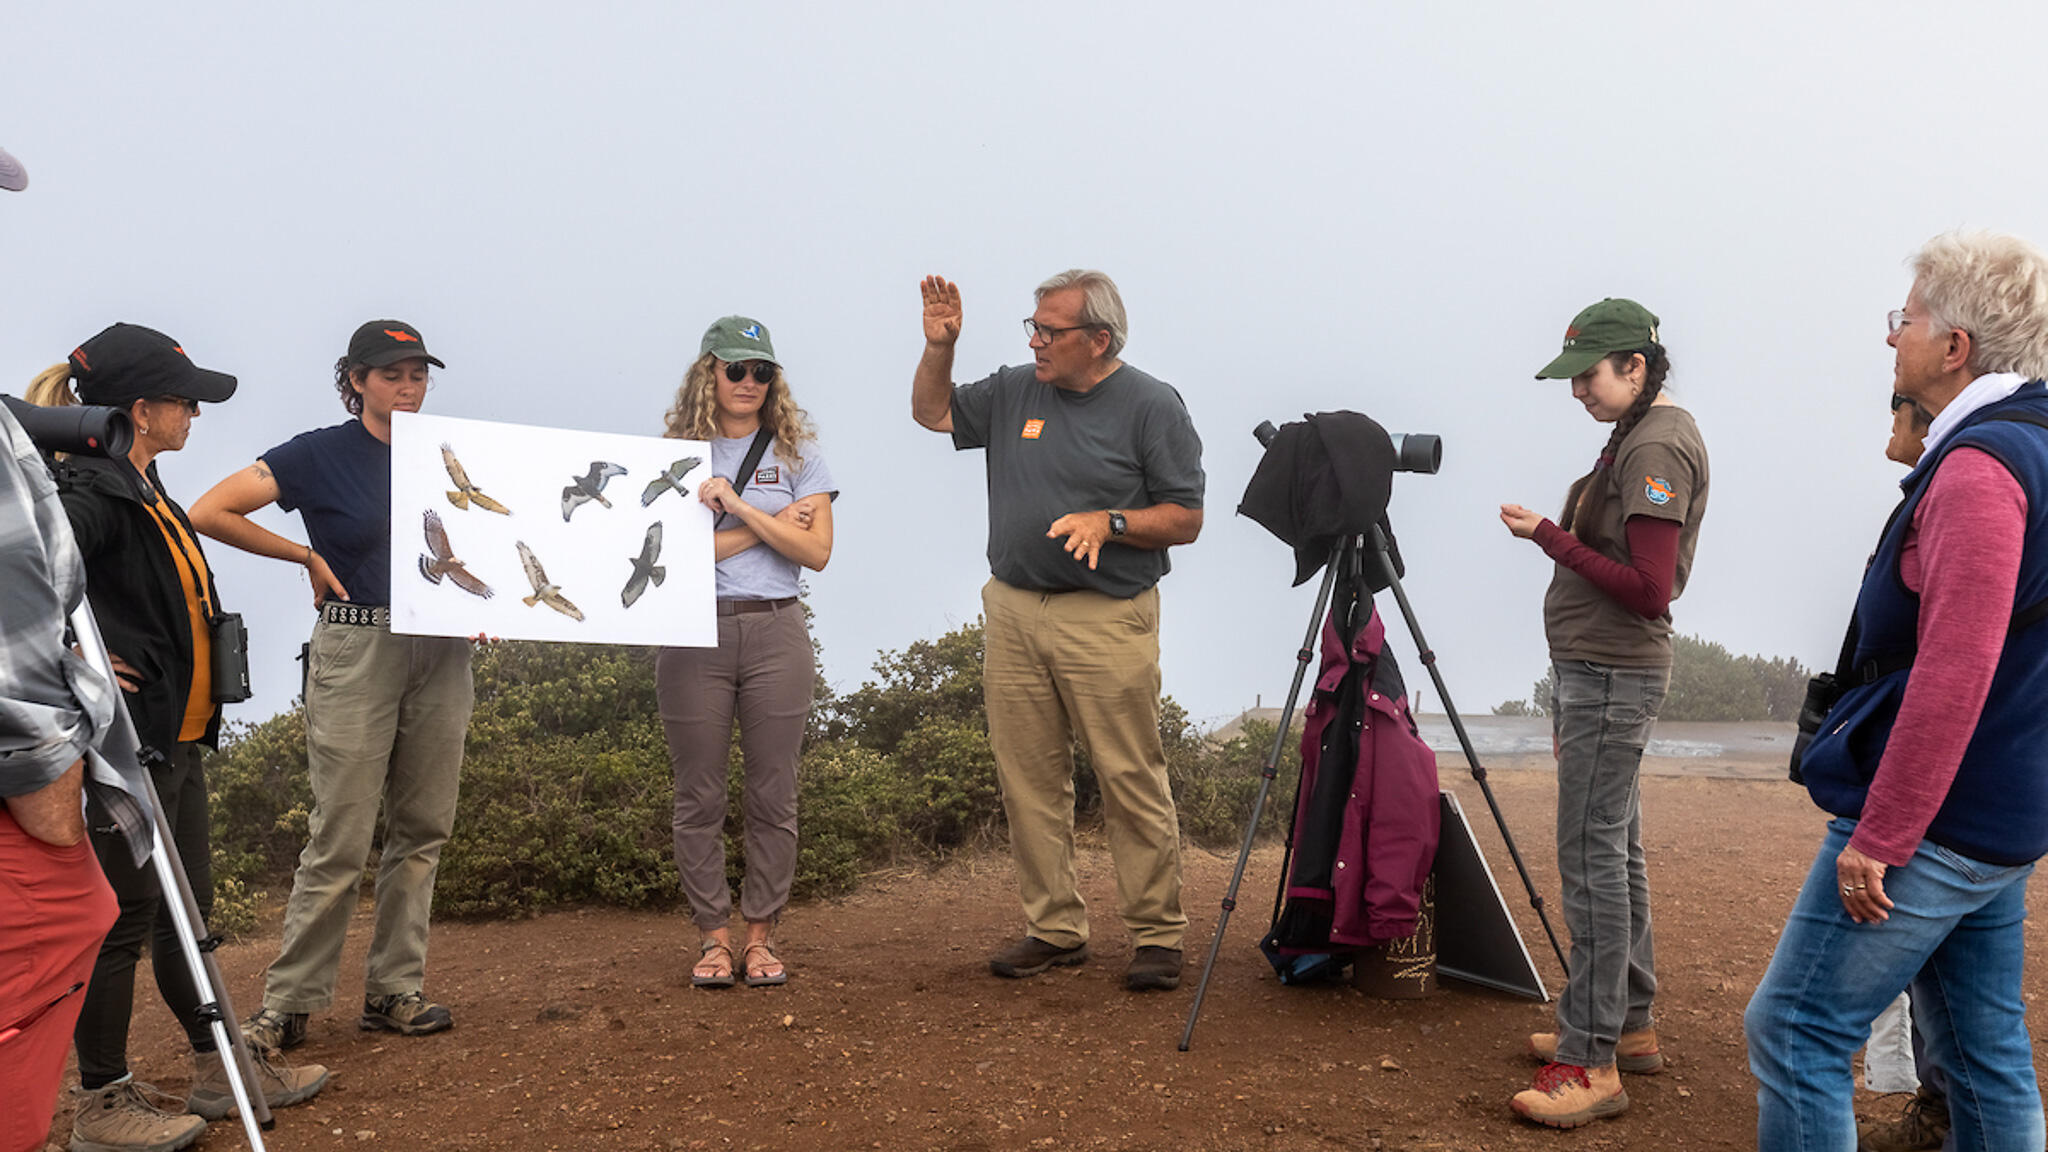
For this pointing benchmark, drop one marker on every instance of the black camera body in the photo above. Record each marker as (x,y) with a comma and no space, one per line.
(1821,694)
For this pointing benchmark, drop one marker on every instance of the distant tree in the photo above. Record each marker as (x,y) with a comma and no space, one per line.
(1708,683)
(1538,703)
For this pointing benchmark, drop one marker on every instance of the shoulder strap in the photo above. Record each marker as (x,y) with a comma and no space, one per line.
(748,463)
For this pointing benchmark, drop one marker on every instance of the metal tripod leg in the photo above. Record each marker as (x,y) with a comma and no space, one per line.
(1302,660)
(214,1007)
(1379,544)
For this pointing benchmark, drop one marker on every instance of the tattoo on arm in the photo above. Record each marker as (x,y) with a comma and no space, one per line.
(261,470)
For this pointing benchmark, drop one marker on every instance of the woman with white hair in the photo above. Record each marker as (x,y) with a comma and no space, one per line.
(1931,763)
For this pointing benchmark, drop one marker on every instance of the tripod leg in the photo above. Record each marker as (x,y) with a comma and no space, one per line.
(1379,543)
(1302,660)
(178,899)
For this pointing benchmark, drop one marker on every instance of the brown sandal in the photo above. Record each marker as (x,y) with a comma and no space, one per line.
(714,965)
(763,973)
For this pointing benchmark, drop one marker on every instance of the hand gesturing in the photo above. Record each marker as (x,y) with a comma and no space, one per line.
(941,310)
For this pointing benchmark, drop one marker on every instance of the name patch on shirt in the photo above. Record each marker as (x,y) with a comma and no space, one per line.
(1032,428)
(1657,490)
(770,475)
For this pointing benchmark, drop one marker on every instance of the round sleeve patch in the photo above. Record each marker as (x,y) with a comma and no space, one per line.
(1657,490)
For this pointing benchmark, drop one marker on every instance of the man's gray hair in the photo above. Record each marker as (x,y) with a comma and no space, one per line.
(1993,286)
(1101,306)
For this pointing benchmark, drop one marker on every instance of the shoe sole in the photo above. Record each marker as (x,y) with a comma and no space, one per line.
(171,1145)
(386,1024)
(1151,983)
(1066,959)
(221,1107)
(1639,1063)
(1612,1106)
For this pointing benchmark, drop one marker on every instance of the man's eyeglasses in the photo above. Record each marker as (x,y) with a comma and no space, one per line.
(1036,333)
(185,402)
(764,372)
(1896,319)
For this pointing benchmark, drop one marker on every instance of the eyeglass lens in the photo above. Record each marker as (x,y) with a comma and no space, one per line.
(764,372)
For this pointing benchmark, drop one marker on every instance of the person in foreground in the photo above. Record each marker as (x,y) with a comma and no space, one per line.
(775,519)
(1094,471)
(1623,551)
(385,714)
(155,599)
(1932,764)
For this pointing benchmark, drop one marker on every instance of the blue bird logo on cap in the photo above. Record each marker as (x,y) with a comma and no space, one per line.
(751,331)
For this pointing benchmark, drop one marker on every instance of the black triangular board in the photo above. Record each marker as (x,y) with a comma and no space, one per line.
(1476,937)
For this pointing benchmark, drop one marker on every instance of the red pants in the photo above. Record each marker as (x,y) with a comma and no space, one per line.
(55,907)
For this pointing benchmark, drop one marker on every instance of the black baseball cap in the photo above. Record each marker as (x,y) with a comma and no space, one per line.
(128,362)
(382,342)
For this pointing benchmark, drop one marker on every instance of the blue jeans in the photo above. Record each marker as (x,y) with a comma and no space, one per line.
(1602,718)
(1954,935)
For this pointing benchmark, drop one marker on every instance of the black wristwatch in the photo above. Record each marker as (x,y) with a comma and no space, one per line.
(1117,525)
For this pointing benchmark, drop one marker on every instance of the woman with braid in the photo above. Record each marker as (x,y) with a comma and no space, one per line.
(1623,548)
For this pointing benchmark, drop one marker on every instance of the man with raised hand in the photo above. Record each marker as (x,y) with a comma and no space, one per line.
(1094,471)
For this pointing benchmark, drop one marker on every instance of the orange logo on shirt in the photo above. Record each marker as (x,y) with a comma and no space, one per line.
(1032,428)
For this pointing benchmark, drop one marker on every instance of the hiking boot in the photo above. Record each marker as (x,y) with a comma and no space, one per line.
(213,1097)
(1924,1125)
(121,1117)
(1633,1051)
(409,1015)
(1153,968)
(1564,1097)
(272,1031)
(1030,956)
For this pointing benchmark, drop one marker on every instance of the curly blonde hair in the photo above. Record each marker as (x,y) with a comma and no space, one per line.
(694,415)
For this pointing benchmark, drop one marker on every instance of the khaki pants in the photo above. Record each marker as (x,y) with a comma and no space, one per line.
(1082,664)
(385,720)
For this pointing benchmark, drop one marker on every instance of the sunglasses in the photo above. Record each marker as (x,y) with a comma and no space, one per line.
(185,402)
(764,372)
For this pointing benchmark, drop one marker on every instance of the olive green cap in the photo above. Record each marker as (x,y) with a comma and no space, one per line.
(1612,325)
(736,339)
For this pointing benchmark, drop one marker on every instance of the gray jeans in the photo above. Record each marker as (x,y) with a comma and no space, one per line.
(1602,717)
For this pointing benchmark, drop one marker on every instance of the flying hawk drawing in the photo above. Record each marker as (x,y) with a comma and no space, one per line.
(644,567)
(440,560)
(465,492)
(589,486)
(670,481)
(543,590)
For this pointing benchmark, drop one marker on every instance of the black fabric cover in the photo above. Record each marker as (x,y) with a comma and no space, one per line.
(1324,478)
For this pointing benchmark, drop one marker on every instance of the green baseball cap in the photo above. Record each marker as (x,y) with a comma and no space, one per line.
(1612,325)
(734,339)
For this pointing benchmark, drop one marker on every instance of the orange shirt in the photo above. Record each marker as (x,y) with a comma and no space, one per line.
(192,574)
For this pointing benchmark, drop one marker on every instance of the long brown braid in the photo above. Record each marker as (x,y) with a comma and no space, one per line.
(1589,492)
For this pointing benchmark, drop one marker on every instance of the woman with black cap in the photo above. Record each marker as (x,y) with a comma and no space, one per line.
(154,598)
(385,714)
(1623,548)
(773,495)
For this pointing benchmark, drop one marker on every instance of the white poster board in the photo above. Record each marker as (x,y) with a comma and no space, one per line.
(527,533)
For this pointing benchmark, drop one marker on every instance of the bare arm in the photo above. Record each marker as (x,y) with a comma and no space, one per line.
(223,514)
(1160,526)
(54,813)
(931,389)
(802,532)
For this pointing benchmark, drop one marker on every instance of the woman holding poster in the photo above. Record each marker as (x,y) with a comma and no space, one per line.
(385,714)
(773,495)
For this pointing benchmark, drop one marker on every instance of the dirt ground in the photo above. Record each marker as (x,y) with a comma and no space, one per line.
(580,1029)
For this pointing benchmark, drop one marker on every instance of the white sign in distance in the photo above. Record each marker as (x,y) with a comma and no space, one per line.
(528,533)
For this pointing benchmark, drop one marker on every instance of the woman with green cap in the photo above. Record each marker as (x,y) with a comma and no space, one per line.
(772,494)
(1623,547)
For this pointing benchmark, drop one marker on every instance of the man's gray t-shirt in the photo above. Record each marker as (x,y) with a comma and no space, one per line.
(1125,443)
(760,572)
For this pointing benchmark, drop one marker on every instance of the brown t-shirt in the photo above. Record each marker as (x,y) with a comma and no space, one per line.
(1660,470)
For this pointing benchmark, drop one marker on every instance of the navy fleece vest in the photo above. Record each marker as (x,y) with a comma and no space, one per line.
(1997,808)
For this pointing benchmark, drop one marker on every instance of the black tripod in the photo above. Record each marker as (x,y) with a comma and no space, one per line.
(1348,554)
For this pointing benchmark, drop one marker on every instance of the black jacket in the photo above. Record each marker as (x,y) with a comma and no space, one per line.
(132,581)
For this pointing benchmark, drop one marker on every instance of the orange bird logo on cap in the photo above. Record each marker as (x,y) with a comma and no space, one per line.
(405,336)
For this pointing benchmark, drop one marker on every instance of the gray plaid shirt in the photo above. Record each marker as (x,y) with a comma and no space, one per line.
(53,706)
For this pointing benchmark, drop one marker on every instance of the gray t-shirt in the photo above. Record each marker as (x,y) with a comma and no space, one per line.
(1125,443)
(760,572)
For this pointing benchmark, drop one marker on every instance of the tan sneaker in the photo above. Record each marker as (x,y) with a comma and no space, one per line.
(274,1031)
(122,1118)
(1633,1051)
(1923,1127)
(283,1085)
(1566,1096)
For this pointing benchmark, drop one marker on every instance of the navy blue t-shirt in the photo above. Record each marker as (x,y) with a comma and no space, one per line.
(338,480)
